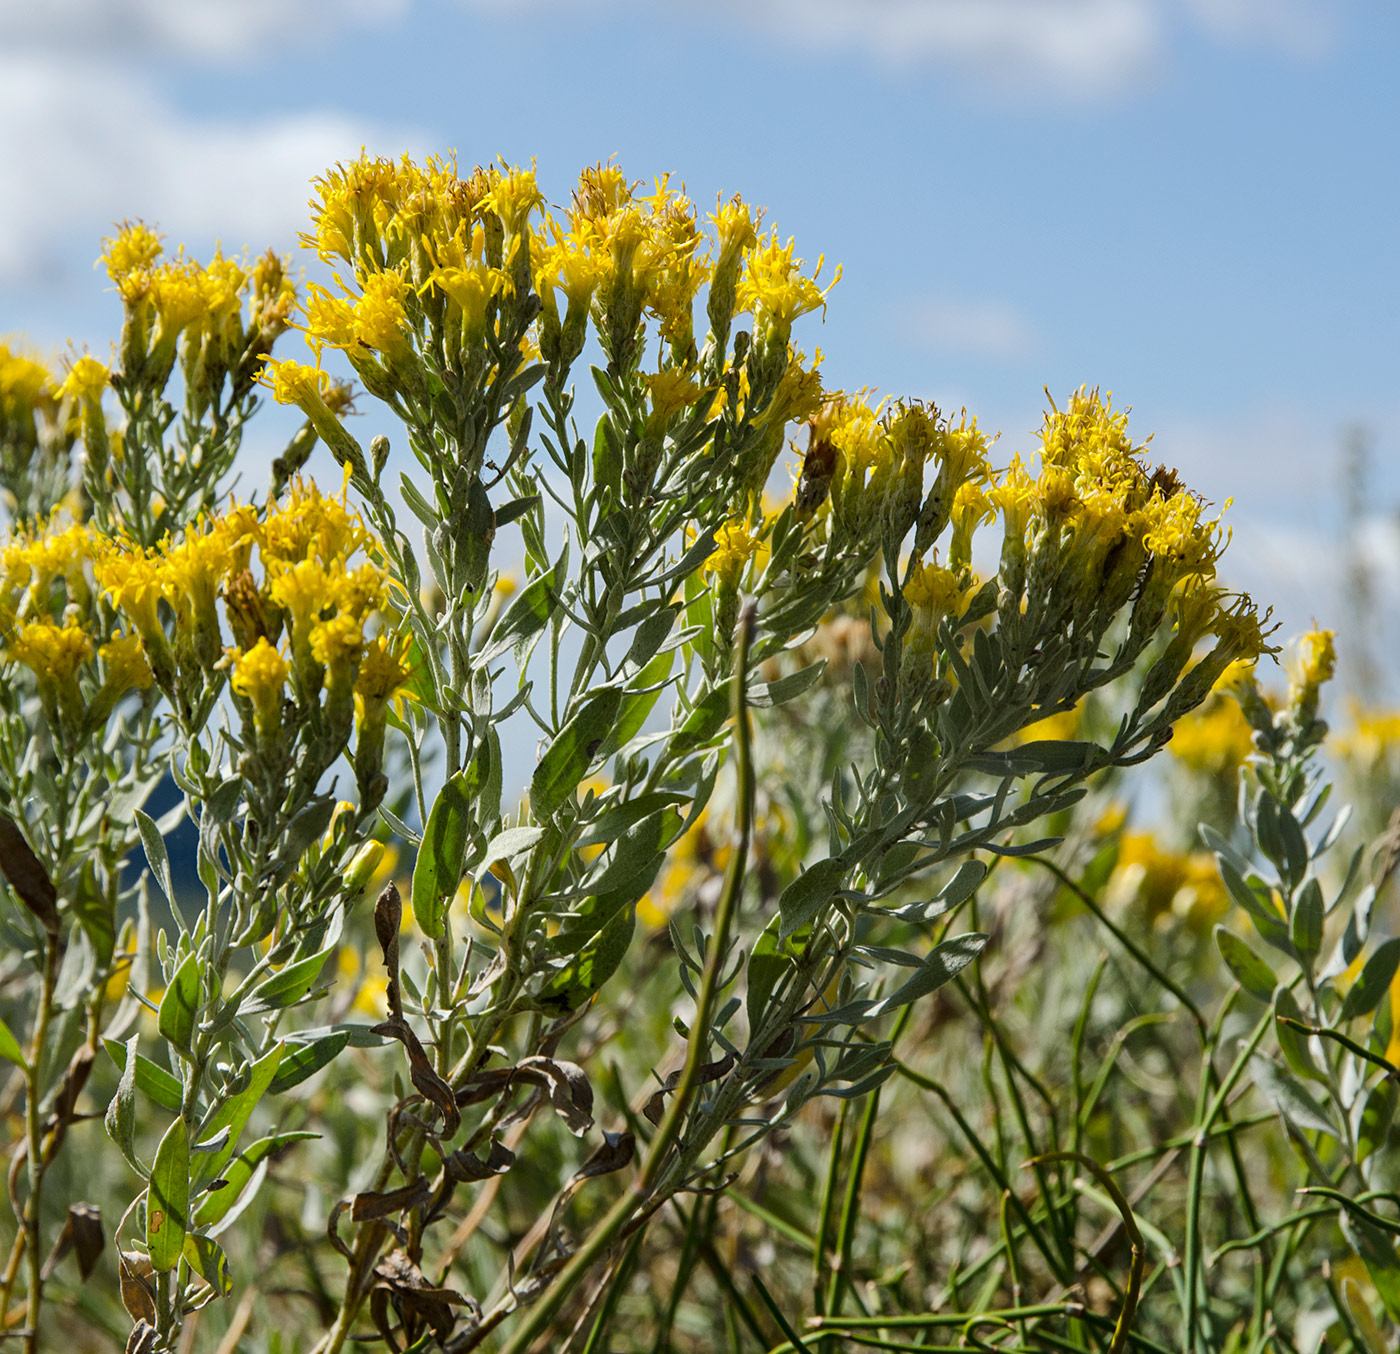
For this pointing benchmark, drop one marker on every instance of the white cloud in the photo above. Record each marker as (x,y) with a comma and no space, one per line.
(99,146)
(982,329)
(215,30)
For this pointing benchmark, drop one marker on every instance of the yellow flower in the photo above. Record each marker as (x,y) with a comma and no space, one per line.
(381,322)
(1315,661)
(52,652)
(384,671)
(132,578)
(294,382)
(133,249)
(735,546)
(86,380)
(303,590)
(1215,739)
(259,676)
(773,288)
(308,522)
(23,383)
(514,196)
(338,642)
(126,664)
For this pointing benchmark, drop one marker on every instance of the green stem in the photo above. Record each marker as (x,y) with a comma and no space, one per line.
(606,1233)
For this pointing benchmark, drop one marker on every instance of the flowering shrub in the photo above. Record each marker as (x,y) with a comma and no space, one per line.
(792,736)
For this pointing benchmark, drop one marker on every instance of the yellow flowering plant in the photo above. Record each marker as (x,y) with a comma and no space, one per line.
(792,736)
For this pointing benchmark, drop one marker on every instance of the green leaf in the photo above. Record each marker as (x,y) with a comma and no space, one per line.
(1296,1045)
(168,1198)
(638,704)
(154,1082)
(1306,929)
(651,635)
(765,968)
(617,818)
(235,1112)
(594,964)
(514,841)
(1374,981)
(1250,971)
(96,912)
(787,688)
(1377,1252)
(306,1060)
(180,1004)
(1268,921)
(568,758)
(9,1046)
(442,856)
(639,851)
(216,1203)
(120,1119)
(805,897)
(703,722)
(1290,1097)
(206,1257)
(527,615)
(288,985)
(943,964)
(1376,1118)
(156,855)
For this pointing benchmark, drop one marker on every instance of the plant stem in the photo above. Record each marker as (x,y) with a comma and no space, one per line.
(603,1236)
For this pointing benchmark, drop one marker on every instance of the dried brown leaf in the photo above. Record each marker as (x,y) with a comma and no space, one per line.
(27,875)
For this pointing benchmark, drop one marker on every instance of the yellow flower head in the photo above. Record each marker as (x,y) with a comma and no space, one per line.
(295,383)
(339,642)
(307,522)
(86,380)
(125,663)
(133,579)
(303,590)
(23,383)
(52,652)
(735,229)
(1315,661)
(384,671)
(259,676)
(514,196)
(773,288)
(381,321)
(735,546)
(133,249)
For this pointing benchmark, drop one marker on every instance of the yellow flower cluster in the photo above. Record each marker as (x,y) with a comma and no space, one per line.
(735,546)
(52,625)
(1168,885)
(1214,740)
(320,589)
(775,291)
(167,297)
(1371,737)
(24,385)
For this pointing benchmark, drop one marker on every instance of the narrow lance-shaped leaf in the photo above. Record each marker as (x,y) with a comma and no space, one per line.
(168,1198)
(442,854)
(180,1004)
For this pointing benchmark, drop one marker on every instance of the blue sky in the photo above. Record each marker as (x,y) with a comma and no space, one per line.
(1190,202)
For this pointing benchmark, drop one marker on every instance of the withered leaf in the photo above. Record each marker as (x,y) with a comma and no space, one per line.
(388,913)
(612,1154)
(425,1080)
(467,1166)
(370,1205)
(655,1108)
(485,1086)
(82,1232)
(569,1090)
(414,1296)
(138,1293)
(142,1339)
(27,875)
